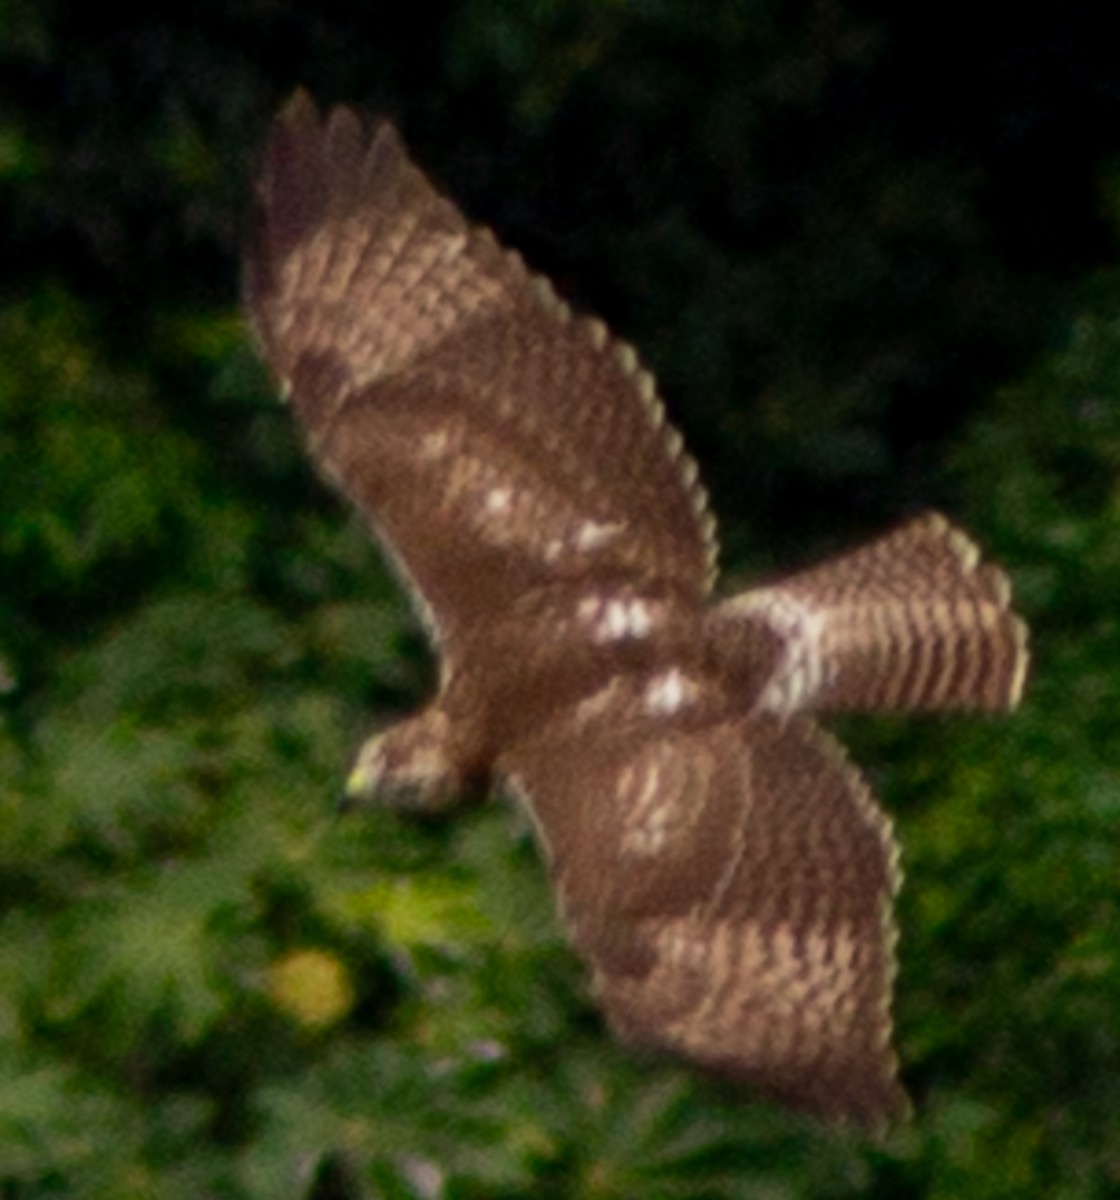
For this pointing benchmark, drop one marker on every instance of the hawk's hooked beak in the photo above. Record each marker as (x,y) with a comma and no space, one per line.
(360,787)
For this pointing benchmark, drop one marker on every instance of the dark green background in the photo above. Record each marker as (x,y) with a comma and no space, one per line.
(869,251)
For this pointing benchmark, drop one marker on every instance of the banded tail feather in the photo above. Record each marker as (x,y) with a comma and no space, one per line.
(913,622)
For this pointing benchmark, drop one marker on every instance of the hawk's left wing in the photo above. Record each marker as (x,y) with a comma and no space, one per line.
(495,441)
(730,883)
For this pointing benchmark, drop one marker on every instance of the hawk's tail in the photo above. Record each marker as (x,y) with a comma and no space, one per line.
(912,621)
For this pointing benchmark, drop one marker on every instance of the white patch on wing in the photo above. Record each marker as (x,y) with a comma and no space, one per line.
(660,796)
(616,618)
(592,708)
(498,499)
(593,535)
(587,538)
(649,813)
(479,492)
(805,665)
(669,692)
(434,445)
(463,472)
(588,607)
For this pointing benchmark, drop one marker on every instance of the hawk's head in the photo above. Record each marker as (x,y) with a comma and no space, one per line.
(408,766)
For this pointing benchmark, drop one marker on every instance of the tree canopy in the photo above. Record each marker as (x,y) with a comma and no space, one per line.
(870,256)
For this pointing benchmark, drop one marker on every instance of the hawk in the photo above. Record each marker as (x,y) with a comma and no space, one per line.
(721,866)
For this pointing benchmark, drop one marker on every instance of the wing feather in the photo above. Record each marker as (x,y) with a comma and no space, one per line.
(730,883)
(491,436)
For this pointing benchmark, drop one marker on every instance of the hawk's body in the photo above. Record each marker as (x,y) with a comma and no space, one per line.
(721,865)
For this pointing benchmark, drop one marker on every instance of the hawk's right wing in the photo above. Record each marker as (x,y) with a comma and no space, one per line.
(731,885)
(494,441)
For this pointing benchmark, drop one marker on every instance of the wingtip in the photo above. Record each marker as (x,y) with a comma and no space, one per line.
(296,124)
(301,115)
(292,187)
(300,106)
(318,154)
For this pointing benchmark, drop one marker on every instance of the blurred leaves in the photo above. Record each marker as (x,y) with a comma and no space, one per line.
(212,984)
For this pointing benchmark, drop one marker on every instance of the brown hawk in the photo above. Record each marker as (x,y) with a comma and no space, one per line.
(721,865)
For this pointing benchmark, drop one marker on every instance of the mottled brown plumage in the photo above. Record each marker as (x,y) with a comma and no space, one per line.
(721,865)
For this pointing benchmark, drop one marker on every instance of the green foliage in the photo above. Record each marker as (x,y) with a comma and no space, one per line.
(211,984)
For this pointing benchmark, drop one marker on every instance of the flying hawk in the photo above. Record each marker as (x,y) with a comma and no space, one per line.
(722,867)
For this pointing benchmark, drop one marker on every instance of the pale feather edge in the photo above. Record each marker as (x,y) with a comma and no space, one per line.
(973,559)
(876,816)
(605,343)
(418,602)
